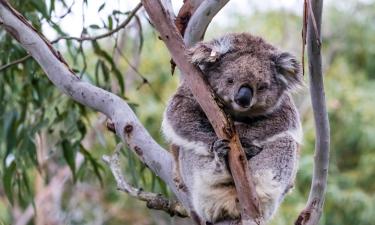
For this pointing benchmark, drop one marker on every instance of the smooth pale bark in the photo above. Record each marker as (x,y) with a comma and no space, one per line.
(200,20)
(313,210)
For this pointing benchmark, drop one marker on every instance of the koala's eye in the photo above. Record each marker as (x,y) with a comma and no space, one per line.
(230,80)
(262,87)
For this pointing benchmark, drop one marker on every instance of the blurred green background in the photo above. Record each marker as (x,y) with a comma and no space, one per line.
(50,147)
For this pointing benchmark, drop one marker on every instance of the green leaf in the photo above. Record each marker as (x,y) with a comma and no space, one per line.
(110,22)
(9,173)
(94,26)
(98,168)
(105,72)
(10,131)
(101,7)
(69,156)
(97,65)
(52,6)
(109,59)
(40,6)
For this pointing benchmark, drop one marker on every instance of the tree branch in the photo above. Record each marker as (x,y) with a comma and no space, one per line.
(118,28)
(193,19)
(313,210)
(15,62)
(199,21)
(81,39)
(127,125)
(185,13)
(154,201)
(206,99)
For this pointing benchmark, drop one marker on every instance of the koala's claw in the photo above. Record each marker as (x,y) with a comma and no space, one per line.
(252,151)
(221,147)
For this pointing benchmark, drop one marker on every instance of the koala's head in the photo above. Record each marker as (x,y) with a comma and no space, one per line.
(247,73)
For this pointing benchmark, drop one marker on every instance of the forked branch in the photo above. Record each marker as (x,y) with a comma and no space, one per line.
(153,200)
(206,98)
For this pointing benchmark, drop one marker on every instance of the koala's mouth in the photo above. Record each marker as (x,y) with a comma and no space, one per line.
(232,106)
(239,108)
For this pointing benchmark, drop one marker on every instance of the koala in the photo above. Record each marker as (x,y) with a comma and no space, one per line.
(254,81)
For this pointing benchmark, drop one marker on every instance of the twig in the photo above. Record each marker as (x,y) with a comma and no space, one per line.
(122,25)
(81,39)
(144,79)
(224,129)
(313,209)
(69,9)
(153,200)
(15,62)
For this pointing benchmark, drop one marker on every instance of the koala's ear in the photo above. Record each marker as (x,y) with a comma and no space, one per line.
(206,54)
(289,70)
(202,54)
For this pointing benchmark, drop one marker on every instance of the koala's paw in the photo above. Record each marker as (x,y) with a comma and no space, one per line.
(251,148)
(252,151)
(220,148)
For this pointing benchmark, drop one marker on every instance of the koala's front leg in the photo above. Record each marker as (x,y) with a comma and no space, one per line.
(220,149)
(186,125)
(251,148)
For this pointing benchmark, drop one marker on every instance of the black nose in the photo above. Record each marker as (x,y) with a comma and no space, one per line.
(243,97)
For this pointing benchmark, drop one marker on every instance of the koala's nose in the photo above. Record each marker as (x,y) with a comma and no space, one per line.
(244,96)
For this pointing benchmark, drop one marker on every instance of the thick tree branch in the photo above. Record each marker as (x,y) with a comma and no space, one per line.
(185,13)
(200,20)
(206,99)
(153,200)
(313,210)
(127,125)
(193,19)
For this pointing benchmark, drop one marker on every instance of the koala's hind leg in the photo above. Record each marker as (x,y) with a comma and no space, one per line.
(177,178)
(274,171)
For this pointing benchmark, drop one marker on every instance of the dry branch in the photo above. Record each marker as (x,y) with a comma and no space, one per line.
(206,99)
(153,200)
(313,210)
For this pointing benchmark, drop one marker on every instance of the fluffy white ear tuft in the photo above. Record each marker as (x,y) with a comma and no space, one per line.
(206,53)
(289,70)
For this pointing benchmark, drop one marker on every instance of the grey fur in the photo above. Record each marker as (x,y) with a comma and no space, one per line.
(269,129)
